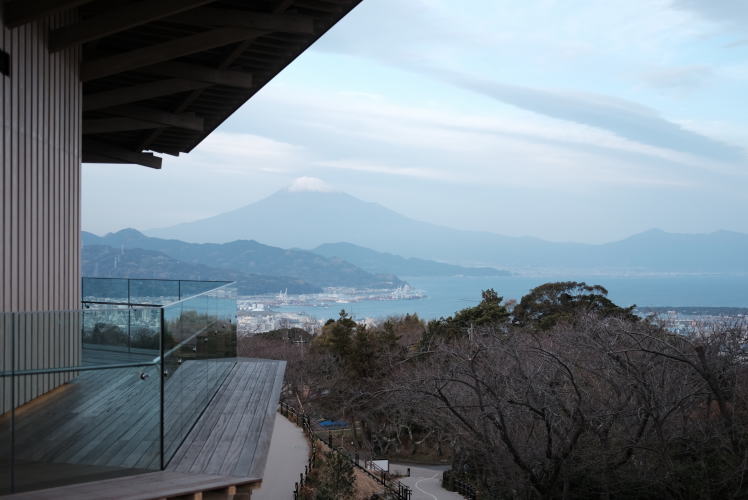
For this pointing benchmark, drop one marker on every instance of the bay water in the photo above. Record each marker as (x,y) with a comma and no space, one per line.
(446,295)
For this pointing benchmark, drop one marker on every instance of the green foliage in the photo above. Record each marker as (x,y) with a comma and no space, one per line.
(336,479)
(337,336)
(358,349)
(488,314)
(106,334)
(561,302)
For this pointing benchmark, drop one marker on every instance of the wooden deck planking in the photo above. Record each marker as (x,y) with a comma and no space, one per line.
(192,448)
(188,396)
(161,484)
(101,416)
(222,436)
(111,419)
(240,458)
(233,435)
(78,413)
(91,405)
(229,450)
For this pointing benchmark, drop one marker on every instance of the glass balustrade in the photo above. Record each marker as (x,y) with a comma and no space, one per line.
(113,388)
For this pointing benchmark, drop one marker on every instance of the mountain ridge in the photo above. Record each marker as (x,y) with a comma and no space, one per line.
(308,219)
(251,257)
(378,262)
(103,261)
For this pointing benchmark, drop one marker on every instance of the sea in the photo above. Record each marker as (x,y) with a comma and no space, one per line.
(443,296)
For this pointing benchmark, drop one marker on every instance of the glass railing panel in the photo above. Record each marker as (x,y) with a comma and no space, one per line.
(65,420)
(105,290)
(102,423)
(191,288)
(154,291)
(120,335)
(81,390)
(193,328)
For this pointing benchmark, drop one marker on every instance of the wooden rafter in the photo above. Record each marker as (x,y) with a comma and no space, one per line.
(159,52)
(188,121)
(232,56)
(136,93)
(119,19)
(201,73)
(109,125)
(286,23)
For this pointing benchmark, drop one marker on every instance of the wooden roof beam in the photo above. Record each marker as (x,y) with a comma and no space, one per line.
(232,56)
(202,73)
(135,93)
(119,19)
(25,11)
(104,152)
(285,23)
(188,121)
(109,125)
(123,124)
(156,53)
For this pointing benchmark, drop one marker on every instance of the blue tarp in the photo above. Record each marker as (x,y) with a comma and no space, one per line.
(333,423)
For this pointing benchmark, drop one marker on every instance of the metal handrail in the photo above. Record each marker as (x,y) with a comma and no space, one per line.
(225,284)
(155,279)
(131,304)
(84,368)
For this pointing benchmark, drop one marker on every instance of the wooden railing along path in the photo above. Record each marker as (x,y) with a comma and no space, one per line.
(393,488)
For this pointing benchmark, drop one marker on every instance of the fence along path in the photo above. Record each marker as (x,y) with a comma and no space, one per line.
(393,488)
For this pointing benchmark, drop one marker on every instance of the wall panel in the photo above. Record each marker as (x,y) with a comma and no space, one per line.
(40,152)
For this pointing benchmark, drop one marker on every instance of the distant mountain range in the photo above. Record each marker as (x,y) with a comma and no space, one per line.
(106,262)
(308,219)
(381,262)
(246,259)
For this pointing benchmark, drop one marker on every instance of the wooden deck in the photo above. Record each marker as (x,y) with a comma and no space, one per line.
(233,435)
(109,420)
(162,484)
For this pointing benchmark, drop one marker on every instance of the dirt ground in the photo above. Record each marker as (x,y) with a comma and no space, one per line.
(366,486)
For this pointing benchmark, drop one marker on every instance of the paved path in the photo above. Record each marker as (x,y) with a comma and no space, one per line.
(425,481)
(289,453)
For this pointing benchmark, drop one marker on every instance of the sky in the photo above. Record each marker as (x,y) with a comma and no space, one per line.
(568,120)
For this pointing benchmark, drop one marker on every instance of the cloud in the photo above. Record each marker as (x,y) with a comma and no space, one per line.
(586,45)
(378,168)
(447,145)
(245,154)
(731,12)
(312,184)
(623,118)
(680,77)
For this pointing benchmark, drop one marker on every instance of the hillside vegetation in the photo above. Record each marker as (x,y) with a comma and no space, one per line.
(562,395)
